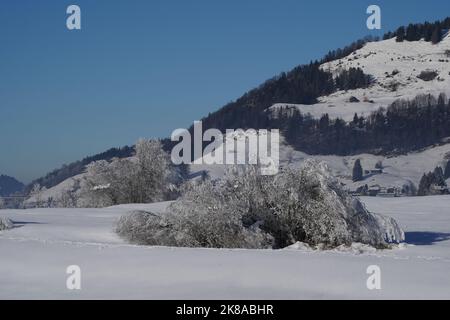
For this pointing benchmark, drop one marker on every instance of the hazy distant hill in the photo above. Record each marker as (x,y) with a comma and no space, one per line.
(9,186)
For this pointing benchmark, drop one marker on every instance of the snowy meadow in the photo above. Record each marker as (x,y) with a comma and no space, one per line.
(36,252)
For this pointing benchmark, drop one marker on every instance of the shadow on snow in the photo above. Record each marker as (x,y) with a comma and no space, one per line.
(424,238)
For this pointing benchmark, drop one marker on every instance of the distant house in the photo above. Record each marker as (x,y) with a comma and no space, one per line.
(373,171)
(390,192)
(374,190)
(435,189)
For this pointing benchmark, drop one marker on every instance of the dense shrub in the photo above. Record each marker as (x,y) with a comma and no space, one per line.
(145,228)
(248,210)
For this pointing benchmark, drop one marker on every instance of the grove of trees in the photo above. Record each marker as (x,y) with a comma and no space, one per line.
(430,179)
(404,126)
(430,32)
(147,177)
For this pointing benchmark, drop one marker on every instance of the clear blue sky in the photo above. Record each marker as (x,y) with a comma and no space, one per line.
(143,68)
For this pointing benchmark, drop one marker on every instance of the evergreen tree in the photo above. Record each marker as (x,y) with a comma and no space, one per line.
(357,171)
(355,119)
(436,37)
(379,165)
(412,33)
(424,185)
(447,171)
(324,122)
(438,177)
(400,34)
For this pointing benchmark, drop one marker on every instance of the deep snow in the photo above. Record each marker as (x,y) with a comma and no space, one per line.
(34,257)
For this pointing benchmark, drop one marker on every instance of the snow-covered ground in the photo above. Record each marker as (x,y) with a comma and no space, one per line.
(34,257)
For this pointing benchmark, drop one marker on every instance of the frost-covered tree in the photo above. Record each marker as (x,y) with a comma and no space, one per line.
(248,210)
(67,199)
(146,177)
(153,170)
(36,194)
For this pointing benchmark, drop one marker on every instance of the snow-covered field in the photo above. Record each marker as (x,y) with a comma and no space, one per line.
(34,257)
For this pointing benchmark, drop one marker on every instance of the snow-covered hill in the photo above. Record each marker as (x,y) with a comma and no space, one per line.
(36,253)
(397,170)
(392,65)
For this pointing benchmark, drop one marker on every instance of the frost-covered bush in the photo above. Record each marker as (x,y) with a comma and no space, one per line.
(5,224)
(144,227)
(217,215)
(147,177)
(248,210)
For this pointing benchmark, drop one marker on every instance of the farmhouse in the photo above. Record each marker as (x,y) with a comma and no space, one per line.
(373,171)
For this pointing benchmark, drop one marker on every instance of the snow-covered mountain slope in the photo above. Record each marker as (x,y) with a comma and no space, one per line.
(36,253)
(392,64)
(397,170)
